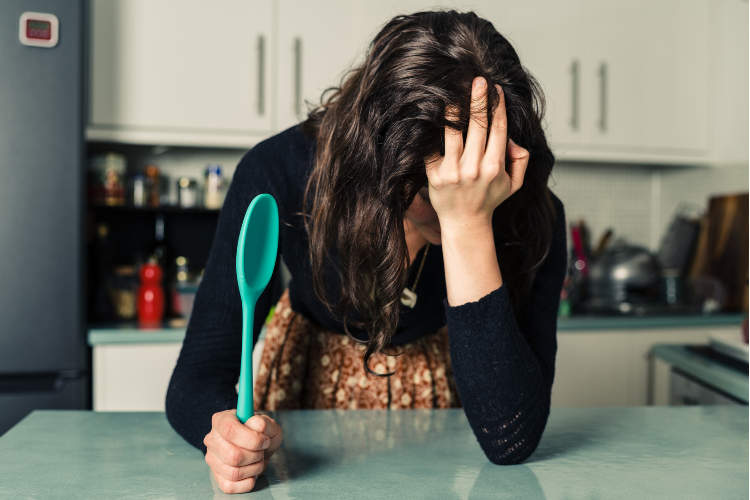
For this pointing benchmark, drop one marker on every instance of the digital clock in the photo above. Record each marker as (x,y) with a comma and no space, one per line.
(38,29)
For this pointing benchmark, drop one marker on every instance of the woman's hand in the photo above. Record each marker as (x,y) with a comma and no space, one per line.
(237,453)
(466,185)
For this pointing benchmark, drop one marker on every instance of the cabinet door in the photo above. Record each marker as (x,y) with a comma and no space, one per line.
(133,377)
(729,73)
(646,74)
(591,369)
(547,39)
(181,65)
(316,46)
(319,42)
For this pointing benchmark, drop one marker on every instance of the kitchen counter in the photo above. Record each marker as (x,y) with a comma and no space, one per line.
(132,334)
(643,452)
(706,370)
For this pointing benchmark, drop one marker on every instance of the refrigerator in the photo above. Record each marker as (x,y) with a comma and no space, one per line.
(44,359)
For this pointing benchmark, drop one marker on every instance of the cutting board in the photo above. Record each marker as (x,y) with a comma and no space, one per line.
(723,248)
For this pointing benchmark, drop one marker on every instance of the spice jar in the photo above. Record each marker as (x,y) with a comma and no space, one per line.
(187,193)
(106,179)
(121,290)
(213,196)
(153,185)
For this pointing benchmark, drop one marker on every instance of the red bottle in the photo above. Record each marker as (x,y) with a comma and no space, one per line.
(150,295)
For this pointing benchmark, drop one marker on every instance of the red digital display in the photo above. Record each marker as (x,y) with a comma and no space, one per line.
(39,30)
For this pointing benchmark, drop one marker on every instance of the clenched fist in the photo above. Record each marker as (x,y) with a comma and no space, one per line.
(237,453)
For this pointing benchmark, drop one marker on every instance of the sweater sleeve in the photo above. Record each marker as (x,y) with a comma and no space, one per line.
(504,366)
(207,370)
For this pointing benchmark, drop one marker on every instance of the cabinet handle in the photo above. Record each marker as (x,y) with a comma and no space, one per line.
(297,77)
(574,101)
(261,74)
(603,97)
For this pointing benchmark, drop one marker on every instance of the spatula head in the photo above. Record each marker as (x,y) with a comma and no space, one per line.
(258,245)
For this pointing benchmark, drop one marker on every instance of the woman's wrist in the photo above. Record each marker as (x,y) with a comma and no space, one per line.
(471,267)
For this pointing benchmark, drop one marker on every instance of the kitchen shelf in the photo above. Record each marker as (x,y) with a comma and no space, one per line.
(578,323)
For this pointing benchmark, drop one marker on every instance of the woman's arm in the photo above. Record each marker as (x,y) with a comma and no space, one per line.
(504,366)
(203,382)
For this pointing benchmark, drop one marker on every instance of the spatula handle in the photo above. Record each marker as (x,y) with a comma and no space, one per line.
(245,393)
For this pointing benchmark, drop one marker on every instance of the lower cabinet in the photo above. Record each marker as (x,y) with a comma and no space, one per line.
(135,377)
(593,368)
(611,367)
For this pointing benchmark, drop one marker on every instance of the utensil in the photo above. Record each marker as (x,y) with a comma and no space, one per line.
(256,257)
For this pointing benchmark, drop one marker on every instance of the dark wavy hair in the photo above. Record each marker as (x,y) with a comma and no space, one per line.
(373,134)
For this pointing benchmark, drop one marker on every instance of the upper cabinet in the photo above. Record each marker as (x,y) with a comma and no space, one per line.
(635,81)
(547,38)
(646,76)
(641,81)
(320,41)
(181,72)
(316,45)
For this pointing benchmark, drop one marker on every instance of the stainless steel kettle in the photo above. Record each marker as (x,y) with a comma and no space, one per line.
(623,276)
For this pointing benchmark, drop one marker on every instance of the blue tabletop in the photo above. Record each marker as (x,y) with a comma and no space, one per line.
(636,452)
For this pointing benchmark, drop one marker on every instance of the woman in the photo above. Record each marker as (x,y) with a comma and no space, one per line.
(415,179)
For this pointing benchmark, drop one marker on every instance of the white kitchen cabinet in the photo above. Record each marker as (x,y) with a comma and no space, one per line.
(319,41)
(729,103)
(547,36)
(181,72)
(591,369)
(134,376)
(316,45)
(612,367)
(646,76)
(647,82)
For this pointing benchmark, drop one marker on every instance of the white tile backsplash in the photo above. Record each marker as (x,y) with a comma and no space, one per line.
(606,196)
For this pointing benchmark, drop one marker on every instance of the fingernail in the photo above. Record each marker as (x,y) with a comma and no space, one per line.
(479,83)
(266,443)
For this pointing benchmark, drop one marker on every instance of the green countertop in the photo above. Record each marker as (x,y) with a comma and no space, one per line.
(130,334)
(704,369)
(641,452)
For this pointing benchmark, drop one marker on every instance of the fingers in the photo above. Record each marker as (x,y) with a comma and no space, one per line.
(495,153)
(477,134)
(234,473)
(454,140)
(516,165)
(267,426)
(228,486)
(233,431)
(229,453)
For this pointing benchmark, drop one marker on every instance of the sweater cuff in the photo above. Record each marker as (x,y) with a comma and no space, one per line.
(492,304)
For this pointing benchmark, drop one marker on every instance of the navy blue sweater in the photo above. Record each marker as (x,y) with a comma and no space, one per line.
(503,365)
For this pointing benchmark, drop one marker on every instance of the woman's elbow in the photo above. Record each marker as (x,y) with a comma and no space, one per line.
(513,453)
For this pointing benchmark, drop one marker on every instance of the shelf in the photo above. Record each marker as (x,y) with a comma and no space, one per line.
(153,210)
(576,323)
(130,333)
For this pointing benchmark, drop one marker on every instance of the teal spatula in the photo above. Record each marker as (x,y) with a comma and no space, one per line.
(256,258)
